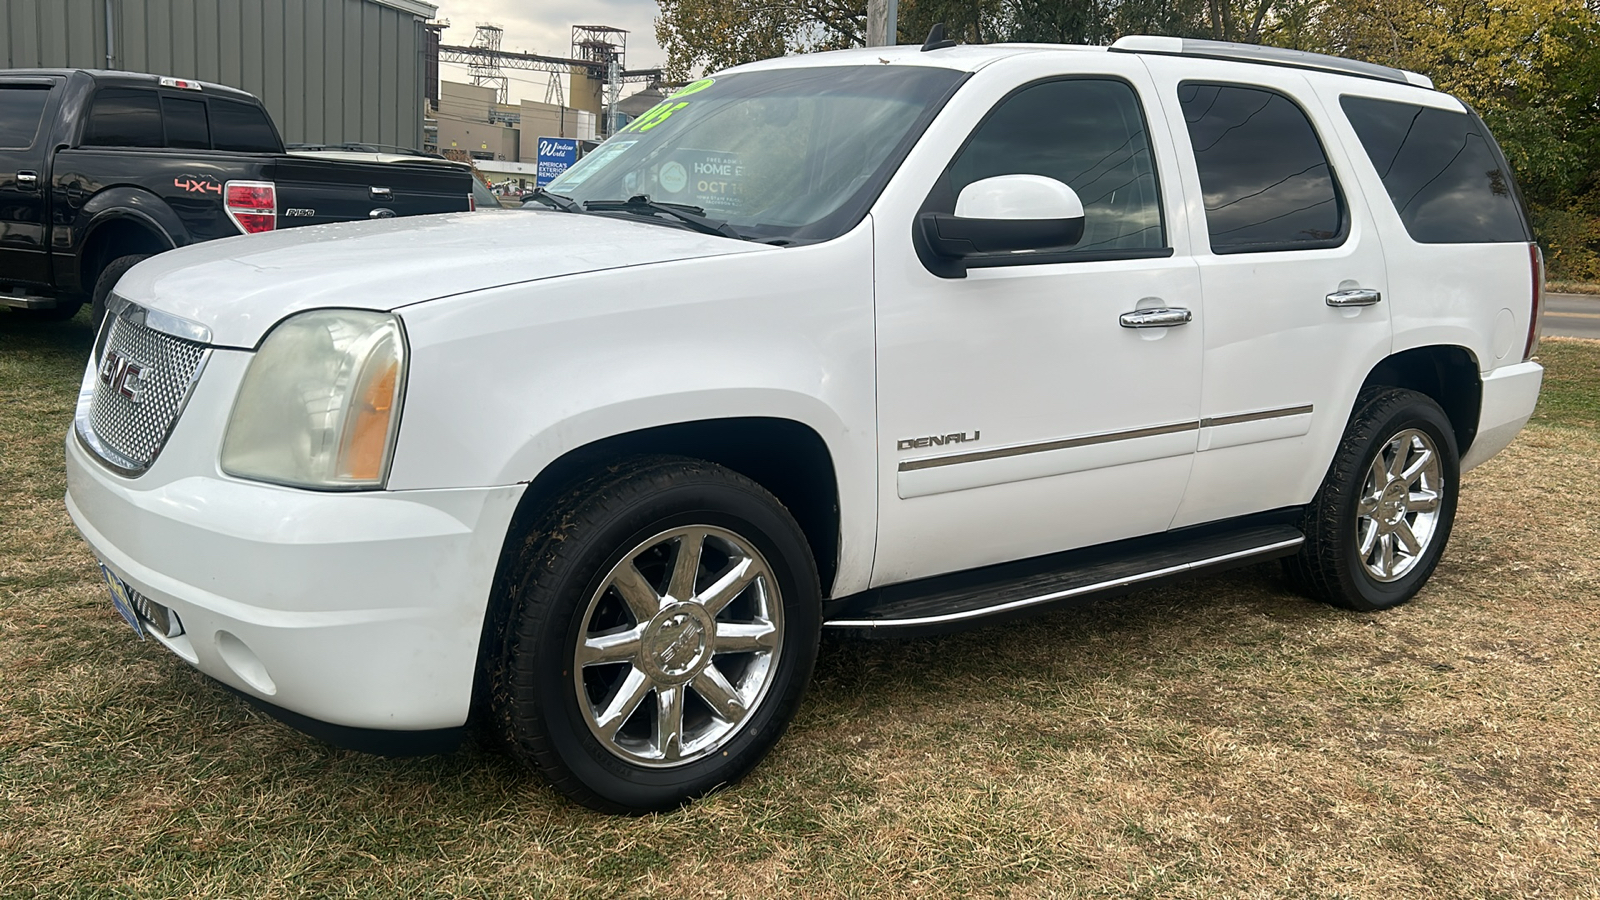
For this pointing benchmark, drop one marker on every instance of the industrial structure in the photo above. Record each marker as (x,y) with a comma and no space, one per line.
(341,71)
(329,71)
(596,69)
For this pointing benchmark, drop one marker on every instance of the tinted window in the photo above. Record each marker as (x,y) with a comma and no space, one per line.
(1265,179)
(1088,134)
(242,128)
(21,108)
(1442,169)
(124,118)
(186,123)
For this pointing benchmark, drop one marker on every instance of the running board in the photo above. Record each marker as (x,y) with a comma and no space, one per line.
(994,593)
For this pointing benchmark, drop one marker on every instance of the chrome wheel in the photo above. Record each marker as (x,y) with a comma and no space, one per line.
(1397,513)
(678,646)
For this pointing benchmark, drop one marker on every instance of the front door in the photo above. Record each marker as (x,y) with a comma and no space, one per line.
(1017,415)
(24,257)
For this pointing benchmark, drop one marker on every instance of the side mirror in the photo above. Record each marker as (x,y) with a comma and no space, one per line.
(1006,213)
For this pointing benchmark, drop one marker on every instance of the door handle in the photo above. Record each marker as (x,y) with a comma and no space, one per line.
(380,193)
(1160,317)
(27,181)
(1354,297)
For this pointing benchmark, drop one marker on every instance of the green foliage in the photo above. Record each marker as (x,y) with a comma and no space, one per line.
(1530,67)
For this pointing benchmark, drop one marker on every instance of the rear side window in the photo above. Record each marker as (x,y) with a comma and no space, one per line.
(187,127)
(1264,175)
(242,128)
(1086,133)
(124,117)
(1442,169)
(21,109)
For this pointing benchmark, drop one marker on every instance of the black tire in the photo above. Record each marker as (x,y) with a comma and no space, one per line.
(65,308)
(109,276)
(1331,565)
(547,706)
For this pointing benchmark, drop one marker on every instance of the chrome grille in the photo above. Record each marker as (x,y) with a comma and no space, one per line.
(128,419)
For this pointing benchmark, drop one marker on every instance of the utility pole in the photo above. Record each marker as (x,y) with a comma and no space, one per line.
(883,17)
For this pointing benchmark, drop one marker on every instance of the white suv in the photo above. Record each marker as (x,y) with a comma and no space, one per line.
(885,341)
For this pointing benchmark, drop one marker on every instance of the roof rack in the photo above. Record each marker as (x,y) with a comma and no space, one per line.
(1274,56)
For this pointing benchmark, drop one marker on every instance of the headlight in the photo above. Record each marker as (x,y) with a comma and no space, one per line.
(320,402)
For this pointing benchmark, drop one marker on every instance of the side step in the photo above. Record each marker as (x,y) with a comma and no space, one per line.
(19,298)
(994,593)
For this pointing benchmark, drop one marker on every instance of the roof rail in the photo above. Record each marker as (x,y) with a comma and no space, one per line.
(1273,56)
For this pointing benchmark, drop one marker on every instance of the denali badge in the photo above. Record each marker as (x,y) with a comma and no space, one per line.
(935,440)
(124,375)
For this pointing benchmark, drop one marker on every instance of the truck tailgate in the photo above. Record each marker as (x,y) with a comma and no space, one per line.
(316,192)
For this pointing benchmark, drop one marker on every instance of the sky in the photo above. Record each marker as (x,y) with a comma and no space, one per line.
(545,26)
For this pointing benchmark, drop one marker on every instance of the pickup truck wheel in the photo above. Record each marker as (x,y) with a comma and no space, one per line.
(662,631)
(1380,521)
(109,276)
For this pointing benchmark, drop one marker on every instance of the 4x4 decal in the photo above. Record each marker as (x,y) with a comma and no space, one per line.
(198,184)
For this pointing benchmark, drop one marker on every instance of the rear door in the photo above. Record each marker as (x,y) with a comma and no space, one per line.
(1293,275)
(26,109)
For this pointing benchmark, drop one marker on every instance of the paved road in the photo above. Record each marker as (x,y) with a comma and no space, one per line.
(1572,315)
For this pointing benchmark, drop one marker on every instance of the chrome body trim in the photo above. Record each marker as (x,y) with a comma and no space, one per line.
(1284,412)
(1063,594)
(911,465)
(155,320)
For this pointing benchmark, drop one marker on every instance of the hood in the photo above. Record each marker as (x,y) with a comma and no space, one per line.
(240,287)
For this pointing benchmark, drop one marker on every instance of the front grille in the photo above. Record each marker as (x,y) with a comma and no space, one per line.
(141,380)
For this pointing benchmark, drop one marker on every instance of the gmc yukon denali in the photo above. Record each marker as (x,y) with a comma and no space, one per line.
(881,342)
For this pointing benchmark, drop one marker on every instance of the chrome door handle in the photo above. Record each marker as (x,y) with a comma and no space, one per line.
(27,181)
(380,193)
(1356,297)
(1160,317)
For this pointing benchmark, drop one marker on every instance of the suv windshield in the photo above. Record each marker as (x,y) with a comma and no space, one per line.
(788,154)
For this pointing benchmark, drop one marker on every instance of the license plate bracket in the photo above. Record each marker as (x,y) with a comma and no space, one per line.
(122,599)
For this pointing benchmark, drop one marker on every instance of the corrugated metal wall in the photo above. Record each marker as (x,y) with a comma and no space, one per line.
(328,70)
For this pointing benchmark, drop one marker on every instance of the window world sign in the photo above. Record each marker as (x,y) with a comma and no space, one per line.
(555,155)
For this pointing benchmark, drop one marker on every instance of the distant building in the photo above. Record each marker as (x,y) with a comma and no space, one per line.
(329,71)
(467,120)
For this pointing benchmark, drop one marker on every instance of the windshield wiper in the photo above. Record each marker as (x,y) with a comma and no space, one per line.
(565,204)
(692,216)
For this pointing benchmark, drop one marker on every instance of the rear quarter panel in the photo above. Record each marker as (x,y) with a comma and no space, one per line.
(1475,296)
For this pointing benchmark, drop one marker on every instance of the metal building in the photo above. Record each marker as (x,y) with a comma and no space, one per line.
(329,71)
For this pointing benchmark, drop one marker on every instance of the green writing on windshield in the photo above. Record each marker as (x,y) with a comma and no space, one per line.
(656,115)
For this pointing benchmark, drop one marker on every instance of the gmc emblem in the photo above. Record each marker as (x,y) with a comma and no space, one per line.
(124,375)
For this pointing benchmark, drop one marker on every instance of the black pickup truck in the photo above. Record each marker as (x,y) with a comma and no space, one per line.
(100,169)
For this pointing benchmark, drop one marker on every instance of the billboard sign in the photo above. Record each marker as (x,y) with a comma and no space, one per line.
(555,155)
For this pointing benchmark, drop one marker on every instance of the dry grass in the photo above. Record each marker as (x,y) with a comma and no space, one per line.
(1223,738)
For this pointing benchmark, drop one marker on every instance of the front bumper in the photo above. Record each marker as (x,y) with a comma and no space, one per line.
(1509,396)
(360,610)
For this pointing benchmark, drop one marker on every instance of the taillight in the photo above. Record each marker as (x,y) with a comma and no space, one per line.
(472,203)
(252,205)
(1535,315)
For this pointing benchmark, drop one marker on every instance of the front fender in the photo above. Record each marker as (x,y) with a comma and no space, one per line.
(504,381)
